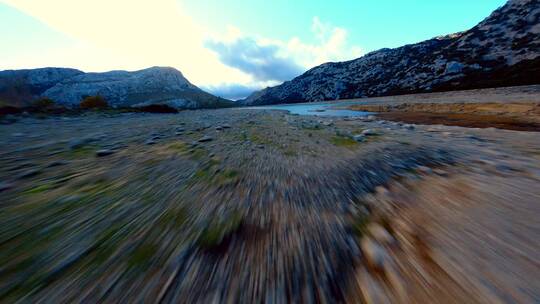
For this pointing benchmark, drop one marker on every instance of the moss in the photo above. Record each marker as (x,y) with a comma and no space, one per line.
(343,141)
(217,231)
(142,256)
(39,189)
(173,217)
(227,176)
(82,152)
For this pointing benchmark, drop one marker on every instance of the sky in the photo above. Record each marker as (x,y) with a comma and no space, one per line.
(227,47)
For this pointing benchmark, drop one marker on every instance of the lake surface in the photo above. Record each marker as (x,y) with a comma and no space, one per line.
(316,109)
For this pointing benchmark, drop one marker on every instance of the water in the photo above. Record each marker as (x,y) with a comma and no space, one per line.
(316,109)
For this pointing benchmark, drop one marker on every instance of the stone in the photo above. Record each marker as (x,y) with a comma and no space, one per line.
(150,142)
(424,169)
(359,137)
(226,126)
(440,172)
(29,173)
(408,126)
(57,163)
(380,234)
(205,138)
(5,186)
(219,128)
(369,132)
(374,254)
(104,152)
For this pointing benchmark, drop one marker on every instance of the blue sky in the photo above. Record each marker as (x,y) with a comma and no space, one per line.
(227,47)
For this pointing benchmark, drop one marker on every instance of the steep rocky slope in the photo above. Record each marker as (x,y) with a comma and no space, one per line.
(502,50)
(156,85)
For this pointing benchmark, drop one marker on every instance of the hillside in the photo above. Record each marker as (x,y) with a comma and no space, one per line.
(156,85)
(502,50)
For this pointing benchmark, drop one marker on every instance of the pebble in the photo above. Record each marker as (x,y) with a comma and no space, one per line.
(30,173)
(5,186)
(375,255)
(380,234)
(440,172)
(424,169)
(359,137)
(369,132)
(57,163)
(205,138)
(104,152)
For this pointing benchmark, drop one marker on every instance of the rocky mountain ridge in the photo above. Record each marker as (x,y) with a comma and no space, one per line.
(155,85)
(502,50)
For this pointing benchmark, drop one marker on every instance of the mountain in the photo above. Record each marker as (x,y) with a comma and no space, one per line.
(502,50)
(156,85)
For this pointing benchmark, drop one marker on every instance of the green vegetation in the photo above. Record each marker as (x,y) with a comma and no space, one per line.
(343,141)
(82,152)
(216,231)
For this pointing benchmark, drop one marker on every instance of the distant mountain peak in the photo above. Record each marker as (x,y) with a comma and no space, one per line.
(154,85)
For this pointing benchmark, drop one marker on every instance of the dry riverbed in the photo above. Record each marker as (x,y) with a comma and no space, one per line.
(252,206)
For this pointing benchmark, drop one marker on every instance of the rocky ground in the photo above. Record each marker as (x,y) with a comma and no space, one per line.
(240,205)
(511,108)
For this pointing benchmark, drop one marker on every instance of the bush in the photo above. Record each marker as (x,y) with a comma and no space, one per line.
(43,103)
(94,102)
(158,108)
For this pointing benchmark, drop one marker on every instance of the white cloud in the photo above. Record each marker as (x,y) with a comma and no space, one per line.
(265,58)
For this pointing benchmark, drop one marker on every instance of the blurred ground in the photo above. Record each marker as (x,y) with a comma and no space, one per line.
(261,206)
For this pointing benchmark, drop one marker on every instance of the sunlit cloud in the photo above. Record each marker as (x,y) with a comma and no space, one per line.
(270,59)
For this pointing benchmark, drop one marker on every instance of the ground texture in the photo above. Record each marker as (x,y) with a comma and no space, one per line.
(240,205)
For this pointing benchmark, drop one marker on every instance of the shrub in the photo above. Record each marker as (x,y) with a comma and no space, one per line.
(158,108)
(94,102)
(43,103)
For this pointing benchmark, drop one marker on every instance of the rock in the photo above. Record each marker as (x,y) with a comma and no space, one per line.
(369,132)
(380,234)
(359,137)
(150,142)
(219,128)
(408,126)
(440,172)
(226,126)
(205,138)
(328,123)
(57,163)
(424,169)
(374,254)
(104,152)
(5,186)
(29,173)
